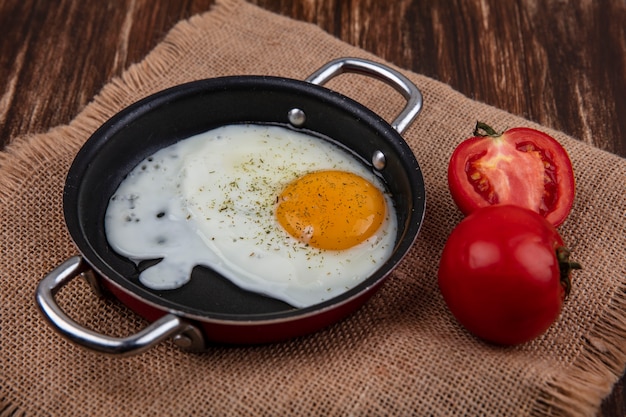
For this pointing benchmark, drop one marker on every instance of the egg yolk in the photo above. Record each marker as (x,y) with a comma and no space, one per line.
(331,210)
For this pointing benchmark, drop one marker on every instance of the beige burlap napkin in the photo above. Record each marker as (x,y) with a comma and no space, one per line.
(401,354)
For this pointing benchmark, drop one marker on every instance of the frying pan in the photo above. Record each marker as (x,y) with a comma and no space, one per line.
(210,309)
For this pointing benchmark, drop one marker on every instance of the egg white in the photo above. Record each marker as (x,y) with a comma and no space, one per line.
(209,200)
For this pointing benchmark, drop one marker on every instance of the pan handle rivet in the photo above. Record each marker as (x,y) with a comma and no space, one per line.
(182,341)
(296,117)
(378,160)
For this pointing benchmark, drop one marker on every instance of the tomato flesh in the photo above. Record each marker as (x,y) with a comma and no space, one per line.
(522,166)
(500,275)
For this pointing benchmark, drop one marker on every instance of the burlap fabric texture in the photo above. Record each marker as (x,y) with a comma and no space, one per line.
(401,354)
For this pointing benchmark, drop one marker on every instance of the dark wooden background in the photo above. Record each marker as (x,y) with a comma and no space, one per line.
(561,63)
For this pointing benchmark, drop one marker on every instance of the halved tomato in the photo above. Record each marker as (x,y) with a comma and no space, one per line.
(522,166)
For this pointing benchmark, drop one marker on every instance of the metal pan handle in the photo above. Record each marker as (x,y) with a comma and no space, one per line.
(381,72)
(167,326)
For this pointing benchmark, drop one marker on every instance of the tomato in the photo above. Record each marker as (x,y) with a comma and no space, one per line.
(521,166)
(504,274)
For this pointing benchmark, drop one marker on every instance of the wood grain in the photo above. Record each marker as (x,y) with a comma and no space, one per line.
(561,63)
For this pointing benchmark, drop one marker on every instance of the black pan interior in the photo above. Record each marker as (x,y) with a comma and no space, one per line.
(185,110)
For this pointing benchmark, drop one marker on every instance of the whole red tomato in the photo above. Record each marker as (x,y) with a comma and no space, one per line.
(504,274)
(521,166)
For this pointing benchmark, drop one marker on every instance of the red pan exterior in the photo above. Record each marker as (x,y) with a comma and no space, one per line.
(251,332)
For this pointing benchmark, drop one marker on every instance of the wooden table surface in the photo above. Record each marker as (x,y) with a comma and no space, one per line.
(561,63)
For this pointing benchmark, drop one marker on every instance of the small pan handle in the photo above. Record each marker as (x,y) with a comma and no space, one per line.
(381,72)
(167,326)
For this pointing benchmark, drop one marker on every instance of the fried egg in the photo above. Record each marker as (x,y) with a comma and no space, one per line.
(275,211)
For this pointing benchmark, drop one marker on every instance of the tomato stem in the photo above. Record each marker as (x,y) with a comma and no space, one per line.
(483,129)
(566,266)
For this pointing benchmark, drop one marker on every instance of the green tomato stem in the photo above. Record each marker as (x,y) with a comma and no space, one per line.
(483,129)
(566,267)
